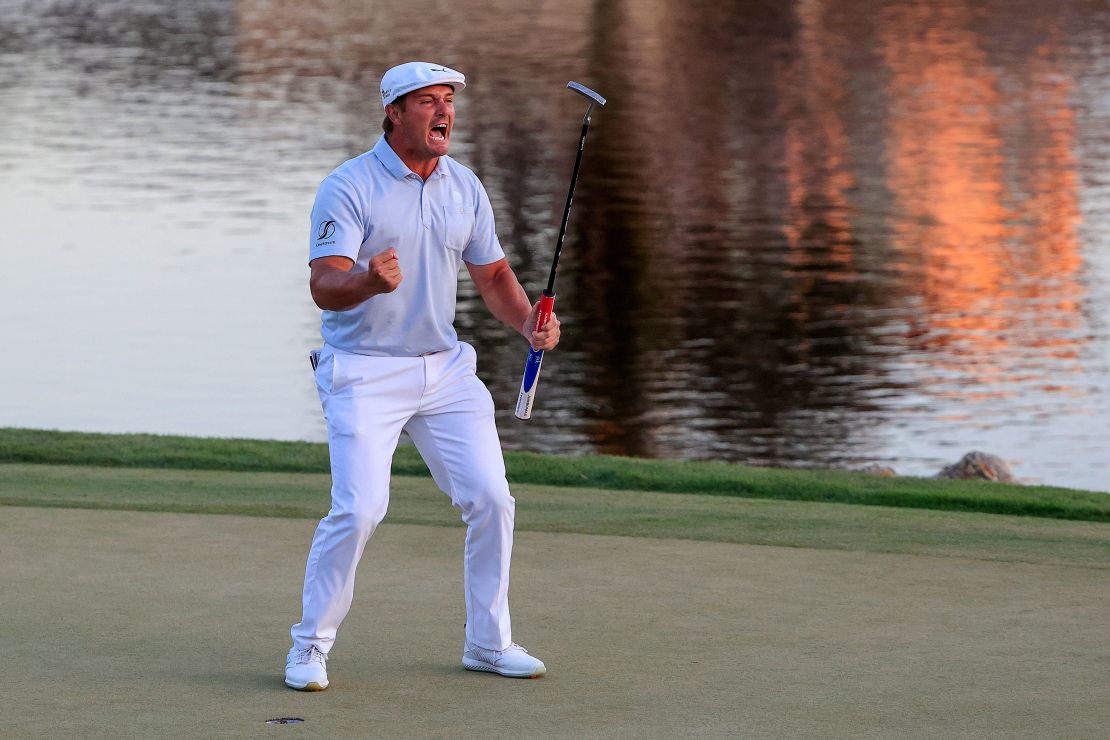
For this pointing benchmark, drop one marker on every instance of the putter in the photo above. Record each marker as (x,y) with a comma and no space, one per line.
(530,382)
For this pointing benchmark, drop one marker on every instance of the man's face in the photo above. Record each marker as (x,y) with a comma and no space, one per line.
(424,125)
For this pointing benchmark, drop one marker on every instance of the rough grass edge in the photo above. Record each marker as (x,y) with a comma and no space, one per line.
(36,446)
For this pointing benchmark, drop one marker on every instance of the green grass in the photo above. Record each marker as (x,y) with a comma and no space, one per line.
(595,472)
(415,500)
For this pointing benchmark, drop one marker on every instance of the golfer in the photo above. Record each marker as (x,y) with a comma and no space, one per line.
(390,230)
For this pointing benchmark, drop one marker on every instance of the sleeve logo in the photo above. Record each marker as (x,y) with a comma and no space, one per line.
(327,229)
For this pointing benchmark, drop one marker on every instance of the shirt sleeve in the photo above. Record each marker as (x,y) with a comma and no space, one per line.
(337,221)
(484,246)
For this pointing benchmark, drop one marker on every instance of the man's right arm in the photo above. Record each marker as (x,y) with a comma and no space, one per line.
(335,287)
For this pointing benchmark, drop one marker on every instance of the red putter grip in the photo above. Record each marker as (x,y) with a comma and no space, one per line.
(547,304)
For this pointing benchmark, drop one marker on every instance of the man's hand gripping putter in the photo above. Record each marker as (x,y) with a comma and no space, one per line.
(547,302)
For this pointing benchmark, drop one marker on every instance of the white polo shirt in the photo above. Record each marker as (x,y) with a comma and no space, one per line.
(373,202)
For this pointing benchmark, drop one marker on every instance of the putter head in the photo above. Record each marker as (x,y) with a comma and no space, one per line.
(583,90)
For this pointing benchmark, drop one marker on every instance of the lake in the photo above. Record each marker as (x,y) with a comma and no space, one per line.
(806,233)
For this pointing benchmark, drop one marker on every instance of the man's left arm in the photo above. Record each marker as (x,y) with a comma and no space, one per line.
(508,302)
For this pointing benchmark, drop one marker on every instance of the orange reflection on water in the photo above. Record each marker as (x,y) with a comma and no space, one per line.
(986,226)
(1051,204)
(818,168)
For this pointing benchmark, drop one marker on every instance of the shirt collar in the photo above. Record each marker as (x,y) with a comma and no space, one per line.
(389,159)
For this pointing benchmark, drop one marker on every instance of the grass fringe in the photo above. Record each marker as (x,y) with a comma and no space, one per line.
(603,472)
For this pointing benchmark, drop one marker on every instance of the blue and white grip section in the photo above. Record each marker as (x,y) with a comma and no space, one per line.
(529,384)
(535,358)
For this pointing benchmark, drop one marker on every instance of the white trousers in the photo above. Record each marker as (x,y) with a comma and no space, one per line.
(448,412)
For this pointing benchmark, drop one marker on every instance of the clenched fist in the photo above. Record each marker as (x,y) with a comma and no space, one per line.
(384,272)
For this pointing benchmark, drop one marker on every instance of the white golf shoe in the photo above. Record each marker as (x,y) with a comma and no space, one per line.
(514,661)
(306,670)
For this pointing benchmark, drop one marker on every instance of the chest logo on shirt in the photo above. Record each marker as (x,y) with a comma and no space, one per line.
(327,228)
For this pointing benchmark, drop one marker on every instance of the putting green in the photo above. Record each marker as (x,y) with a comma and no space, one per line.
(132,624)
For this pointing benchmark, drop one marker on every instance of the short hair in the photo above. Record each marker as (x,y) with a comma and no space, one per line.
(387,125)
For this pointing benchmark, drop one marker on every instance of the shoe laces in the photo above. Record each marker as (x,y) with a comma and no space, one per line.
(495,655)
(311,654)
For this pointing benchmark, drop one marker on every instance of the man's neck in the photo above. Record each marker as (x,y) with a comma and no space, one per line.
(423,167)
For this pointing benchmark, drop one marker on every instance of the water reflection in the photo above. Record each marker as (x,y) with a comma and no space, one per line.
(986,205)
(807,233)
(735,244)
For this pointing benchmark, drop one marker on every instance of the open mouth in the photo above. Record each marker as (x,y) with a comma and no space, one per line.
(439,132)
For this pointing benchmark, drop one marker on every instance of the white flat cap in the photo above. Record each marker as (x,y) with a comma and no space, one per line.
(404,78)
